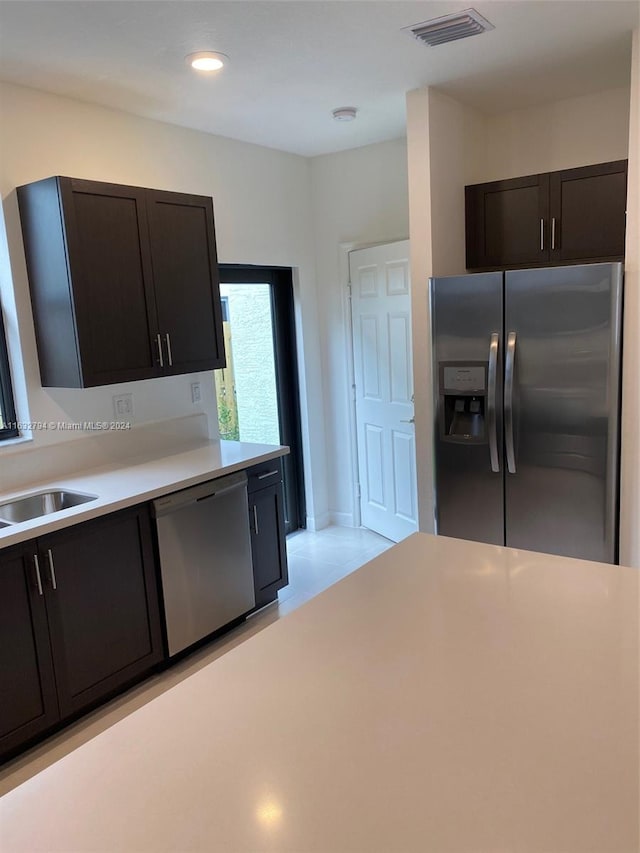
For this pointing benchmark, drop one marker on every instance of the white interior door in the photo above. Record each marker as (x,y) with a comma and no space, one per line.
(382,352)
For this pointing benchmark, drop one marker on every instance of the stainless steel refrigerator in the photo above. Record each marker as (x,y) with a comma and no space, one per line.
(526,370)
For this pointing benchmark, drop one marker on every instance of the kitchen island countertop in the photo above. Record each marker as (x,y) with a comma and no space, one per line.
(448,696)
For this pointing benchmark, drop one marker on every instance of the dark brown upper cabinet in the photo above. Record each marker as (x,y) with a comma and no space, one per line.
(588,208)
(186,285)
(124,281)
(571,216)
(505,222)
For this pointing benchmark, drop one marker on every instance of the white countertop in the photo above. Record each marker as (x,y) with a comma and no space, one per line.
(448,696)
(121,485)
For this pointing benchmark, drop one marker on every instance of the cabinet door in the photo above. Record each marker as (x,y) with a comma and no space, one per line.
(106,232)
(28,705)
(507,222)
(185,274)
(103,606)
(588,212)
(268,544)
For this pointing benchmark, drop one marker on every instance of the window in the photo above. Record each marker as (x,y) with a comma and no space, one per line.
(8,426)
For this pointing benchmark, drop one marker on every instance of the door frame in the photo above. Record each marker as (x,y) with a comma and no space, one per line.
(345,250)
(281,279)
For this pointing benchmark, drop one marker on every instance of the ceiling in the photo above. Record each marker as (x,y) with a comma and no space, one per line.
(293,61)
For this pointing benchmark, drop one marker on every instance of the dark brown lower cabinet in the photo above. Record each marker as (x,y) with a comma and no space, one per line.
(28,702)
(268,541)
(104,619)
(80,620)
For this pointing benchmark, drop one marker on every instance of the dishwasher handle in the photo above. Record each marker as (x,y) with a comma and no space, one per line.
(210,489)
(218,493)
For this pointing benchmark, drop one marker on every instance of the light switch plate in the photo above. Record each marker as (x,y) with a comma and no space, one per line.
(123,406)
(196,393)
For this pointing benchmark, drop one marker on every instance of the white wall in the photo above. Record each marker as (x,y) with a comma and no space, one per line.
(419,170)
(630,467)
(359,197)
(263,216)
(450,145)
(560,135)
(457,153)
(446,147)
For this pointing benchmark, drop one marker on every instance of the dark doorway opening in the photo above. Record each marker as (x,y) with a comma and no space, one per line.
(257,392)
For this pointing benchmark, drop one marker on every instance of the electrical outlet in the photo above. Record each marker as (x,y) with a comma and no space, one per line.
(123,406)
(196,393)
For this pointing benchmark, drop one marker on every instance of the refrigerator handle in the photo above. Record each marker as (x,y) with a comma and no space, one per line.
(508,401)
(492,378)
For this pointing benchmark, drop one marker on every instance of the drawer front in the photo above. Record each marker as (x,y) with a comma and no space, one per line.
(263,475)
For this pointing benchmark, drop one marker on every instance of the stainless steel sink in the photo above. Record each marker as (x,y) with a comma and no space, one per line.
(4,524)
(39,504)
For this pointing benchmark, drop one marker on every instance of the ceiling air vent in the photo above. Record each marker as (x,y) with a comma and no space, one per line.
(460,25)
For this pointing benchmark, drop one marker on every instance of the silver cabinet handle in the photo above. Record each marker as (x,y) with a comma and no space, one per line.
(159,340)
(266,474)
(52,570)
(553,233)
(168,339)
(36,563)
(256,529)
(542,235)
(410,421)
(492,380)
(508,401)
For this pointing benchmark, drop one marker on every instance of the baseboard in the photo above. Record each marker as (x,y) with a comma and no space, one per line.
(342,519)
(318,522)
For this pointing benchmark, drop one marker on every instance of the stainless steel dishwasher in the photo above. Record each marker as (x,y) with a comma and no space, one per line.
(205,558)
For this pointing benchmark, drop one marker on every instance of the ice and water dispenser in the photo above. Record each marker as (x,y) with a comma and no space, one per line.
(463,401)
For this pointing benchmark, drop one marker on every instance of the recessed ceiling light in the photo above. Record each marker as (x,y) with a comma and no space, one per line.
(207,60)
(345,113)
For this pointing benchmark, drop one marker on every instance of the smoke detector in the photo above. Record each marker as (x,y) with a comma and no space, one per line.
(459,25)
(345,113)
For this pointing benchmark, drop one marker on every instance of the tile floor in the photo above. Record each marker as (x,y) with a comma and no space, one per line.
(316,560)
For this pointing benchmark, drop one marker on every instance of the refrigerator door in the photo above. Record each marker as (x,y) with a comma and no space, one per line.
(562,400)
(466,316)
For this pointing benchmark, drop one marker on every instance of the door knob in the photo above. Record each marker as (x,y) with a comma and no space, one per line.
(410,421)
